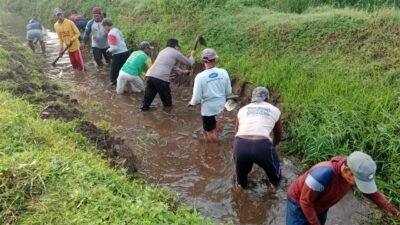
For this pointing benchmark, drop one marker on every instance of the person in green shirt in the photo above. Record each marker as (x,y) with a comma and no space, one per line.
(133,68)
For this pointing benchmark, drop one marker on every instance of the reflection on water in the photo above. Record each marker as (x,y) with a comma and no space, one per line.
(173,151)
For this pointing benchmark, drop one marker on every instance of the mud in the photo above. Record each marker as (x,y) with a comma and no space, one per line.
(172,151)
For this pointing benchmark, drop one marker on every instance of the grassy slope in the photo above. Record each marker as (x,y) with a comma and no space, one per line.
(49,172)
(335,69)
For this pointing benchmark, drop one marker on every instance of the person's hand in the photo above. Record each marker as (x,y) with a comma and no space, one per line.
(185,72)
(189,105)
(193,53)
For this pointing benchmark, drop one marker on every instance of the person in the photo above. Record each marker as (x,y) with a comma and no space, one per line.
(79,20)
(253,143)
(68,35)
(312,194)
(133,69)
(117,48)
(159,75)
(211,88)
(35,32)
(99,38)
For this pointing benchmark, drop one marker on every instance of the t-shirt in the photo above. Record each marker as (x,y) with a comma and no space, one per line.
(67,32)
(116,41)
(211,87)
(34,26)
(134,65)
(99,35)
(258,119)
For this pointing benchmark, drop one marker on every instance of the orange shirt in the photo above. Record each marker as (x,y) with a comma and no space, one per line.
(67,32)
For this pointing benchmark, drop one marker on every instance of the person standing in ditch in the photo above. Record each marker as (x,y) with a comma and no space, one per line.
(35,32)
(159,74)
(211,88)
(117,48)
(68,35)
(79,20)
(312,194)
(133,69)
(253,143)
(99,38)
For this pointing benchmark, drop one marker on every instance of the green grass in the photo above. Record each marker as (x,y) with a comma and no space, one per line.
(335,68)
(49,173)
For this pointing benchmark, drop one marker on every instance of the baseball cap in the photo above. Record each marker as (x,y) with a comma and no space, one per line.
(145,44)
(172,43)
(259,94)
(363,167)
(209,54)
(58,11)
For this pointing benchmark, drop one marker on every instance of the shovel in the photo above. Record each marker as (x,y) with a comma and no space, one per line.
(62,53)
(202,41)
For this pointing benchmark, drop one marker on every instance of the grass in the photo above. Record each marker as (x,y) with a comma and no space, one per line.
(336,68)
(49,173)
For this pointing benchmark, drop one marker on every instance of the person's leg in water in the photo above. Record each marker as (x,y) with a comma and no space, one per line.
(97,56)
(268,160)
(31,45)
(43,46)
(243,160)
(210,127)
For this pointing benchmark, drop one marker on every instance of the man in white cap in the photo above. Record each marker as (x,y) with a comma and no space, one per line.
(68,35)
(311,195)
(253,143)
(133,68)
(211,88)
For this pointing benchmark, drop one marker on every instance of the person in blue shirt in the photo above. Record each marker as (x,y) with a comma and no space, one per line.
(211,88)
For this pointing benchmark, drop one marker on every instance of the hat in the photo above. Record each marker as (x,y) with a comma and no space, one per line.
(96,10)
(145,44)
(173,43)
(363,167)
(107,22)
(259,94)
(208,54)
(58,11)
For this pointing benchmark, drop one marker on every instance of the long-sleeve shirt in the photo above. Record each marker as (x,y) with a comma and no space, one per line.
(322,186)
(67,32)
(99,35)
(116,41)
(211,87)
(165,64)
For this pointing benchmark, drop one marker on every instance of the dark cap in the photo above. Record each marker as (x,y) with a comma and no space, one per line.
(145,44)
(172,43)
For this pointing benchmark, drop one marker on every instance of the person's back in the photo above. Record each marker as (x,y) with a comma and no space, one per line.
(215,86)
(258,119)
(165,63)
(134,65)
(34,25)
(116,39)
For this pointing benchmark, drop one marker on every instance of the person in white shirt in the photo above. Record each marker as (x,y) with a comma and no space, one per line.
(253,143)
(211,88)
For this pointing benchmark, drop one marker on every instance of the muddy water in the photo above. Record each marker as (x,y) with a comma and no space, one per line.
(173,152)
